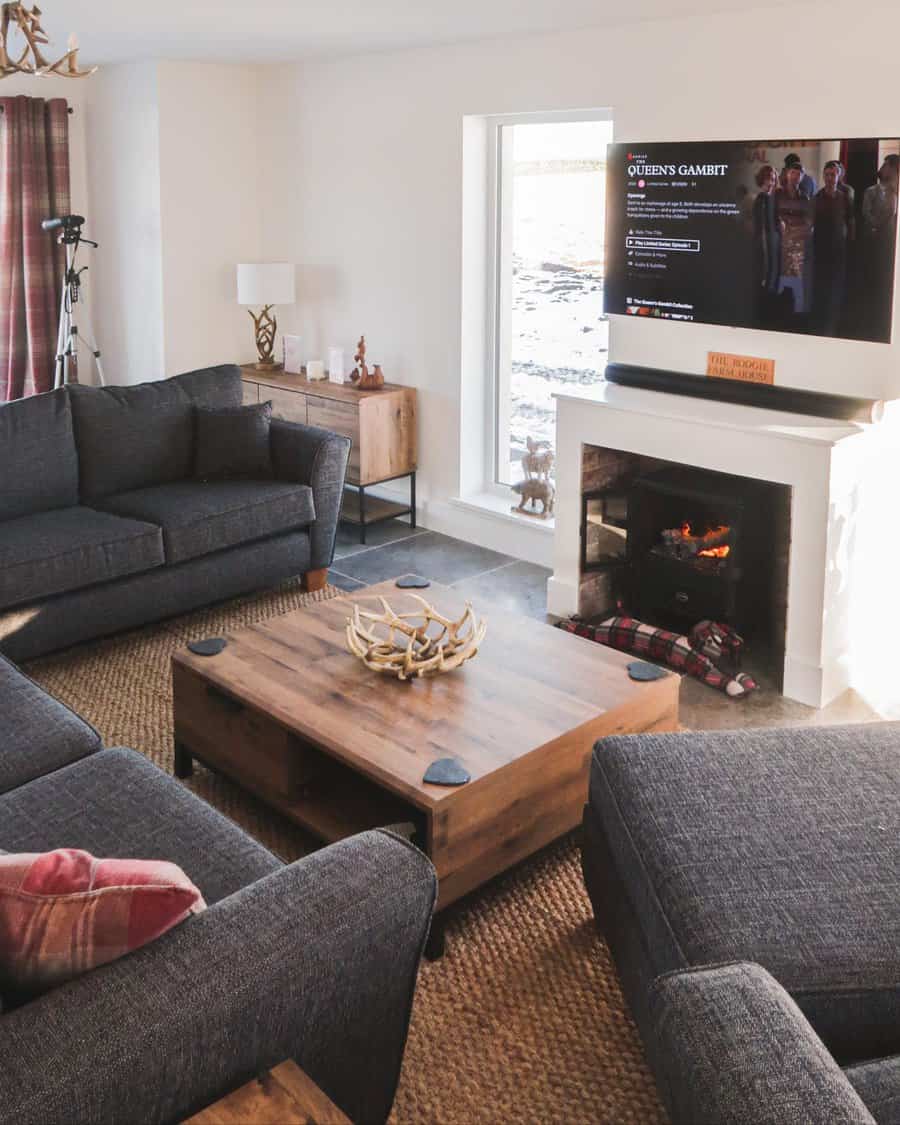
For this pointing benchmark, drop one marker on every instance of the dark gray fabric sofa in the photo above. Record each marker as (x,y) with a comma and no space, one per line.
(315,960)
(778,851)
(103,526)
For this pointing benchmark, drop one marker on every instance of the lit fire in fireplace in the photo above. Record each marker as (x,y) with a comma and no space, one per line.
(682,542)
(719,552)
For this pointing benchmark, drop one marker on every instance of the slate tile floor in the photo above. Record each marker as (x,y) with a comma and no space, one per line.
(487,577)
(495,581)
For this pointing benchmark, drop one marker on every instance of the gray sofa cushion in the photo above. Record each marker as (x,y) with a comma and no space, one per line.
(133,437)
(198,518)
(116,803)
(165,591)
(38,463)
(878,1084)
(39,733)
(233,443)
(52,552)
(730,1047)
(778,847)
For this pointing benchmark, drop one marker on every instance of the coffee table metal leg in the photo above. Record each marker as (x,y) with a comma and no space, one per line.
(184,763)
(437,940)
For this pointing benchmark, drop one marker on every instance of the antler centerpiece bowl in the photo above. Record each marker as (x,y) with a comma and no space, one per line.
(413,645)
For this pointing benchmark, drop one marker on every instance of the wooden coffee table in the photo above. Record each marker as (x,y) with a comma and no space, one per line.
(283,1096)
(290,714)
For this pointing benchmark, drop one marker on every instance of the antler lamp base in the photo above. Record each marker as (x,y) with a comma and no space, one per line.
(263,285)
(266,326)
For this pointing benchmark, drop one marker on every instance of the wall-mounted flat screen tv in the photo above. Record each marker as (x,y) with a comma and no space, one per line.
(786,236)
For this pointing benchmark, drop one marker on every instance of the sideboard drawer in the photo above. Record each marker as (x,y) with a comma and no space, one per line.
(288,405)
(251,393)
(341,418)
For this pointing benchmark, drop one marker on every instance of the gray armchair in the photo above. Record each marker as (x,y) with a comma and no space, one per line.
(730,1045)
(315,961)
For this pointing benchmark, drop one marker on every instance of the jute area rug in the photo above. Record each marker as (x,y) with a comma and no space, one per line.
(521,1021)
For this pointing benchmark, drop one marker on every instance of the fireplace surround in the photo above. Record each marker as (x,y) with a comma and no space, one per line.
(835,537)
(672,546)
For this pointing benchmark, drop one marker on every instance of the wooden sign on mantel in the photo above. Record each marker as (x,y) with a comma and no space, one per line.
(743,368)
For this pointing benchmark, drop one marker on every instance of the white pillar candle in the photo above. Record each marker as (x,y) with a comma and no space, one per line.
(336,365)
(315,370)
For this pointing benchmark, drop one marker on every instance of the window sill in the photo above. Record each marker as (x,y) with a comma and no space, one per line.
(499,507)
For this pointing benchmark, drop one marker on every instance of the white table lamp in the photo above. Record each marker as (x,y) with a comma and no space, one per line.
(266,284)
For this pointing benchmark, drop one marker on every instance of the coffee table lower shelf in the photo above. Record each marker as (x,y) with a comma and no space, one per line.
(332,805)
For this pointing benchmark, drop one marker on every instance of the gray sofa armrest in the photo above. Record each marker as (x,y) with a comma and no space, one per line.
(316,962)
(318,458)
(40,734)
(878,1084)
(730,1046)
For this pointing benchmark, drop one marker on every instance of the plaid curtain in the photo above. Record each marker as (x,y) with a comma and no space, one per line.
(34,185)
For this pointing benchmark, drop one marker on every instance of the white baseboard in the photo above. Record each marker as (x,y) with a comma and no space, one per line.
(474,522)
(468,522)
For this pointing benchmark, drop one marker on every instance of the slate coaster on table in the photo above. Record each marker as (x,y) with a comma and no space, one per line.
(643,672)
(210,646)
(447,771)
(412,582)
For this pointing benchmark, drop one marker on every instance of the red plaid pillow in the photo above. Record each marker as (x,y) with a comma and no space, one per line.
(64,912)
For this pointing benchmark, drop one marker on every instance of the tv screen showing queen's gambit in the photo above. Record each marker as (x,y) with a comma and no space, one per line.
(786,236)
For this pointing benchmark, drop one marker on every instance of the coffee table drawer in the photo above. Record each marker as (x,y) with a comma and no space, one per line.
(226,734)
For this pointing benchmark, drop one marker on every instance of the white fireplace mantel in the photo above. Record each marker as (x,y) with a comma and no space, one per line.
(838,472)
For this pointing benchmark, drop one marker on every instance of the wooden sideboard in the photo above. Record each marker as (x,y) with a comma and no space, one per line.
(380,423)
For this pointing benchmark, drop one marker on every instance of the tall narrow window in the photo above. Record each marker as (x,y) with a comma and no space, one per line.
(547,324)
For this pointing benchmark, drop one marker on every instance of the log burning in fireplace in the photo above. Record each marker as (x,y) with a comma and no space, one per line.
(682,543)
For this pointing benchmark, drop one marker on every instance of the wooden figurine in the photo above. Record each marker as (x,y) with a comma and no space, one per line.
(365,379)
(538,461)
(361,370)
(537,465)
(532,490)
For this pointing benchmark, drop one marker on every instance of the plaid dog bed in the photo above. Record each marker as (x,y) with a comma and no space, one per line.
(664,647)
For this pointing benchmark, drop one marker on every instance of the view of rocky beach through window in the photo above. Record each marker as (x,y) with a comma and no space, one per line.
(559,334)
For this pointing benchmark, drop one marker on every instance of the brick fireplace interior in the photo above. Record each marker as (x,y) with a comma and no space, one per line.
(673,545)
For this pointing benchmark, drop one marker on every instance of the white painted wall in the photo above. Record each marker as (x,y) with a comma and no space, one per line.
(125,282)
(367,173)
(210,209)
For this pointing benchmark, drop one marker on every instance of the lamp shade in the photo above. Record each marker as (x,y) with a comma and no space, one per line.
(265,283)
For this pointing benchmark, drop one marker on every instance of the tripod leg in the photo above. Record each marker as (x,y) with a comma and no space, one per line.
(62,339)
(95,352)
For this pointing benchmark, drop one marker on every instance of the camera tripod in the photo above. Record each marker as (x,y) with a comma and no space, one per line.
(70,337)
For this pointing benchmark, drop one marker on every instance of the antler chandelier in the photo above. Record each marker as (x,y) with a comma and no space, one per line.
(16,17)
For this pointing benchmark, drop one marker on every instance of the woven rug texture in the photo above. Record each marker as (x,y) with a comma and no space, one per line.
(522,1020)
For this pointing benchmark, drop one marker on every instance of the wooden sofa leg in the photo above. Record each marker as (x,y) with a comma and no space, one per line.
(315,580)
